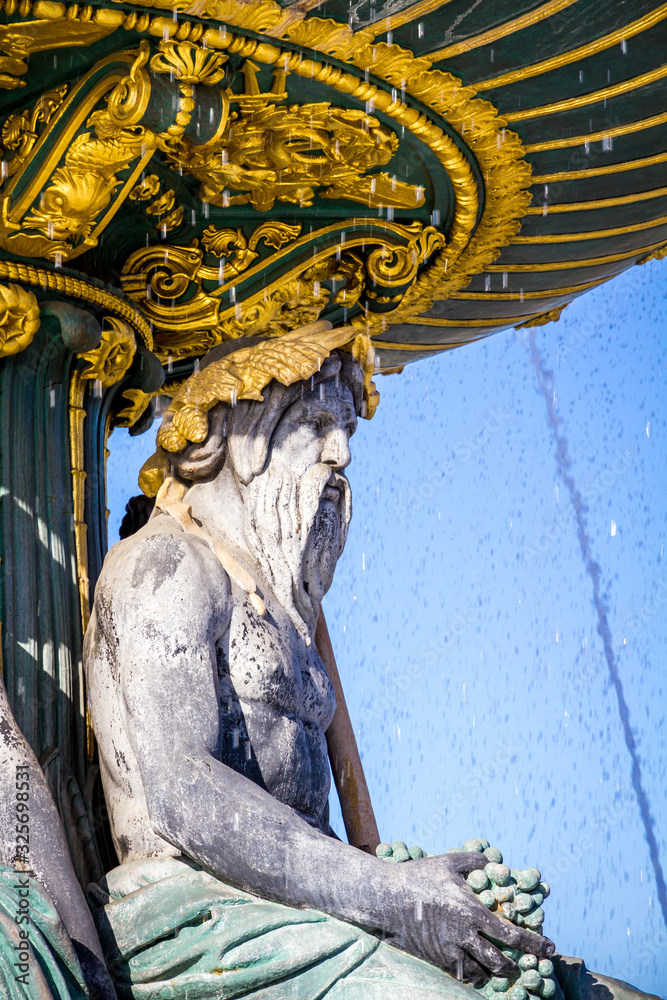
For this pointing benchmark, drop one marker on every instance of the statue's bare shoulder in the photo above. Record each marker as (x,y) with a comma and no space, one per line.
(162,561)
(161,604)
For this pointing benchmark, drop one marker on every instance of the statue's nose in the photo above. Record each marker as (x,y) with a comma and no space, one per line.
(336,450)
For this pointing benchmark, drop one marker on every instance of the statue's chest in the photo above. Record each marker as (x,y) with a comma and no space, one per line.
(264,660)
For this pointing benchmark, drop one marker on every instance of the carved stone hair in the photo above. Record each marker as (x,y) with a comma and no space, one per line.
(247,428)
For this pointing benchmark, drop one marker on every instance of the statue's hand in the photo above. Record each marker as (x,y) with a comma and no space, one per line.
(443,922)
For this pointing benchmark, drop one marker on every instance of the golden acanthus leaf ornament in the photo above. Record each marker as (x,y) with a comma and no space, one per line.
(658,254)
(193,304)
(222,242)
(293,303)
(148,188)
(169,214)
(243,375)
(139,402)
(552,316)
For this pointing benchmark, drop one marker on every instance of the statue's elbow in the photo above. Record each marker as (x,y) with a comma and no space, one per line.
(166,819)
(172,803)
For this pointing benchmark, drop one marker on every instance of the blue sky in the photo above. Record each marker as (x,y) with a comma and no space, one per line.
(463,620)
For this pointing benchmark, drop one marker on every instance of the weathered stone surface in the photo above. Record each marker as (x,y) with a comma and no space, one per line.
(211,719)
(172,932)
(39,891)
(37,960)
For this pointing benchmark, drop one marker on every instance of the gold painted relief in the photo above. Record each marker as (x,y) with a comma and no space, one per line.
(108,363)
(265,150)
(22,39)
(21,131)
(79,197)
(274,152)
(168,214)
(78,177)
(80,190)
(231,243)
(19,319)
(169,283)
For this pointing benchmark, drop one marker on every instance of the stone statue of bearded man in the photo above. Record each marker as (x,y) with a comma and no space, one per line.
(210,705)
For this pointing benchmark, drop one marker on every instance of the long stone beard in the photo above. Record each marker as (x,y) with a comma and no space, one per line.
(296,529)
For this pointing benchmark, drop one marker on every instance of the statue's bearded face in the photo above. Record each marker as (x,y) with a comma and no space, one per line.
(297,511)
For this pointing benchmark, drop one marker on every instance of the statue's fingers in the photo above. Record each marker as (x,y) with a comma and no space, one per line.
(490,957)
(471,970)
(463,965)
(510,935)
(456,958)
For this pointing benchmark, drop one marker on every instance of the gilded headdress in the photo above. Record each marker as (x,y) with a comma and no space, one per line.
(243,374)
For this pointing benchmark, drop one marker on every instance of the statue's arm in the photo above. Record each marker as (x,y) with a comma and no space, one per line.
(167,658)
(236,829)
(47,855)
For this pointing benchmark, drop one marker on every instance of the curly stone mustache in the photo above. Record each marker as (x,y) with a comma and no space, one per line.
(296,528)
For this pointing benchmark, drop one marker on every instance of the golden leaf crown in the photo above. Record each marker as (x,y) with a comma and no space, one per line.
(243,374)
